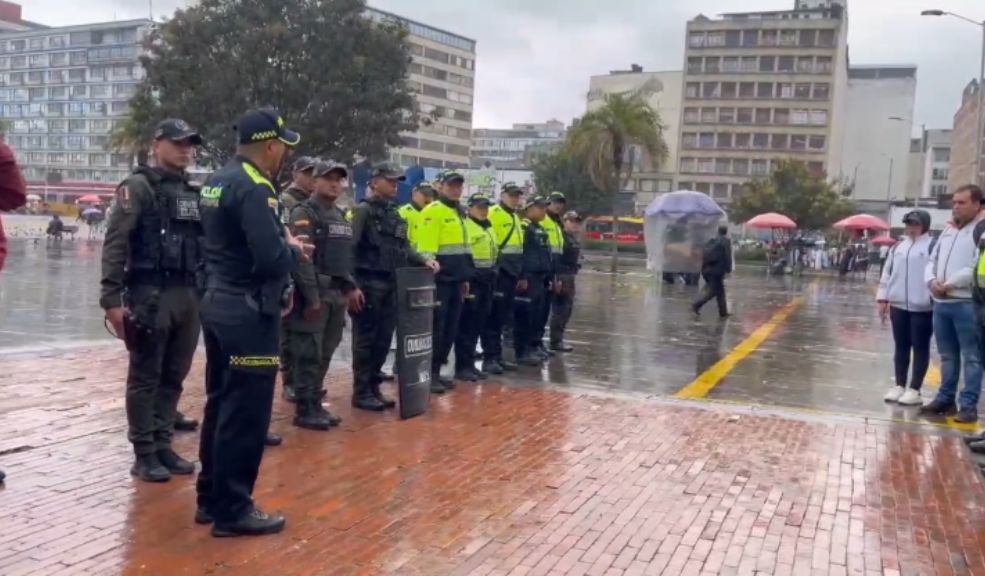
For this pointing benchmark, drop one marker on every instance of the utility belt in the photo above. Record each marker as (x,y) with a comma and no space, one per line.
(268,298)
(332,282)
(164,279)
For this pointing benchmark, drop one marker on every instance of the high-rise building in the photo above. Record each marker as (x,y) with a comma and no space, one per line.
(760,87)
(962,165)
(62,91)
(515,147)
(442,78)
(930,163)
(662,91)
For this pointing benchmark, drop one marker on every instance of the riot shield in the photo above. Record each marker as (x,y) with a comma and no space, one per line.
(415,315)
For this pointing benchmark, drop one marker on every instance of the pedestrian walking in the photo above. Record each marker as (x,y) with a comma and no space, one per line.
(442,236)
(249,257)
(149,265)
(13,195)
(300,189)
(904,299)
(479,302)
(507,226)
(716,264)
(379,235)
(535,275)
(563,295)
(323,289)
(949,274)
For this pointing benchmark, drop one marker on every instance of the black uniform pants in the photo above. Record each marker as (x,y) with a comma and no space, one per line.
(158,367)
(314,343)
(504,294)
(714,288)
(372,332)
(241,347)
(528,319)
(545,315)
(562,304)
(475,314)
(447,315)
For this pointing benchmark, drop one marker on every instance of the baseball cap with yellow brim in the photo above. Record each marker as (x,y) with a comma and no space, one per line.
(265,124)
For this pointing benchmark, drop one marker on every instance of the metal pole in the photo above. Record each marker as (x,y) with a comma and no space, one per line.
(889,191)
(981,114)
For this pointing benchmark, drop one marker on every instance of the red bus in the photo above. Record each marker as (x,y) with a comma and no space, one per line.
(629,231)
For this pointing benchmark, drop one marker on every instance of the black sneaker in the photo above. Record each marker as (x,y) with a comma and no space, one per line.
(447,382)
(174,463)
(203,516)
(273,440)
(530,359)
(977,447)
(437,387)
(562,347)
(368,403)
(967,416)
(466,375)
(256,523)
(938,408)
(507,366)
(492,367)
(183,423)
(148,468)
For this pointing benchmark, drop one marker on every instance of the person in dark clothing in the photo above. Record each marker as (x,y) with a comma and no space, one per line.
(249,257)
(535,274)
(715,265)
(564,293)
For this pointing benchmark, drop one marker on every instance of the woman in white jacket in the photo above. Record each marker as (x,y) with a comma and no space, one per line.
(905,299)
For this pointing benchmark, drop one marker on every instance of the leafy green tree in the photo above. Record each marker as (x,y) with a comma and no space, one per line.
(811,201)
(603,139)
(336,76)
(561,172)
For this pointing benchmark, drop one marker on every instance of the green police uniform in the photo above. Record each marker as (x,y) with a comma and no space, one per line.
(289,199)
(149,264)
(324,282)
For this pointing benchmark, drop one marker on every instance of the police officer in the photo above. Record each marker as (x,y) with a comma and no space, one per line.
(478,304)
(552,224)
(379,235)
(422,196)
(249,256)
(442,236)
(324,287)
(563,296)
(535,276)
(150,259)
(507,226)
(300,189)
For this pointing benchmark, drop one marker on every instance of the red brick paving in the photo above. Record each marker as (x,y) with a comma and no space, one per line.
(494,481)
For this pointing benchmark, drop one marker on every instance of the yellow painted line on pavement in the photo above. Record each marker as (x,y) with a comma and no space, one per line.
(706,382)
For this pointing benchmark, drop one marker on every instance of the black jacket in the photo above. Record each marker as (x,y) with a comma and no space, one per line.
(717,259)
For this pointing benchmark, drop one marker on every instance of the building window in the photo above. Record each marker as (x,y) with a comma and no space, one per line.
(764,90)
(58,92)
(18,62)
(740,167)
(733,38)
(819,117)
(456,149)
(691,115)
(788,38)
(38,61)
(799,117)
(760,141)
(805,64)
(725,140)
(710,90)
(706,165)
(76,75)
(730,64)
(781,116)
(77,126)
(942,155)
(435,91)
(816,143)
(760,167)
(715,39)
(823,65)
(688,165)
(767,63)
(802,91)
(726,115)
(742,141)
(822,91)
(744,116)
(780,142)
(694,66)
(80,91)
(720,190)
(689,140)
(747,90)
(748,64)
(826,38)
(706,140)
(37,94)
(692,89)
(750,38)
(723,166)
(785,64)
(762,116)
(807,37)
(769,38)
(798,142)
(696,39)
(18,45)
(711,65)
(709,115)
(816,169)
(729,89)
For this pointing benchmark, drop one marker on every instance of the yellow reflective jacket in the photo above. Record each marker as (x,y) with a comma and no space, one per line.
(509,233)
(441,235)
(482,239)
(412,214)
(555,234)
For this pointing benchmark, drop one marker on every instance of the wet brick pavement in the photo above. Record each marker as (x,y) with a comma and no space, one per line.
(585,467)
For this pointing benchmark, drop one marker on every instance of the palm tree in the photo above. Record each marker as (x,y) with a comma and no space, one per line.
(605,139)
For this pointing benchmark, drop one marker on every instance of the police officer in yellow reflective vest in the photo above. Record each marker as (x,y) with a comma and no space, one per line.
(422,196)
(442,236)
(478,304)
(552,224)
(506,225)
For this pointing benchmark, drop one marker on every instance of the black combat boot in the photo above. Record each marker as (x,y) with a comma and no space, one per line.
(368,402)
(174,463)
(387,402)
(273,440)
(308,416)
(492,367)
(255,523)
(289,394)
(183,423)
(148,468)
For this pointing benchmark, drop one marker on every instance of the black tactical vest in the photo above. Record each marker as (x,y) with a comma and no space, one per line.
(165,244)
(332,237)
(383,247)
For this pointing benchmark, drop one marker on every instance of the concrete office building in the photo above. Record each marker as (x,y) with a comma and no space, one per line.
(662,90)
(442,78)
(936,167)
(62,91)
(878,126)
(962,165)
(514,147)
(760,87)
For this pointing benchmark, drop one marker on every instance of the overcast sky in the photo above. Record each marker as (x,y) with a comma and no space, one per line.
(535,56)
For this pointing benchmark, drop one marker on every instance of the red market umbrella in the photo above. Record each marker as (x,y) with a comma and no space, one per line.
(862,222)
(884,241)
(89,199)
(772,221)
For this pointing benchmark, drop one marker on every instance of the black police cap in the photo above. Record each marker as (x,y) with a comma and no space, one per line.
(388,171)
(265,124)
(177,130)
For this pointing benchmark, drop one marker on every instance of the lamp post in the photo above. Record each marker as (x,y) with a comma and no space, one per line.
(981,90)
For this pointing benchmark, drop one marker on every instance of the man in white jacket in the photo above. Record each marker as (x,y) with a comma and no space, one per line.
(949,277)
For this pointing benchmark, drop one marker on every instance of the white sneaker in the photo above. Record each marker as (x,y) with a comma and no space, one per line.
(911,398)
(894,394)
